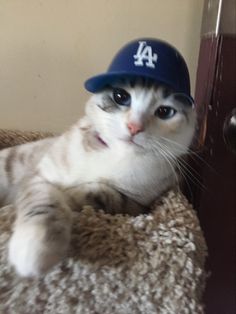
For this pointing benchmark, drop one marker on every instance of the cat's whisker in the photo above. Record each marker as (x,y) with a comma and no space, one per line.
(182,175)
(193,154)
(183,162)
(168,159)
(193,178)
(183,167)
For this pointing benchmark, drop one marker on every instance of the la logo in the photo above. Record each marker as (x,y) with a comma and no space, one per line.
(144,54)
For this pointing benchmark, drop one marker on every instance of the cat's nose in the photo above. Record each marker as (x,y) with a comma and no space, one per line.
(134,128)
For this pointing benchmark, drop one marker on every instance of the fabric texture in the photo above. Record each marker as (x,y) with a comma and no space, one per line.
(119,264)
(15,137)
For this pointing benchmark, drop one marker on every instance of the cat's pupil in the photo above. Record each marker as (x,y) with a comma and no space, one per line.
(165,112)
(121,97)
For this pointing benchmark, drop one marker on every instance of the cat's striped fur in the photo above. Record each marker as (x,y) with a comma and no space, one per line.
(119,157)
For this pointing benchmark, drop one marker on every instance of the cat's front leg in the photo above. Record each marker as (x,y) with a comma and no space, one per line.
(42,228)
(103,196)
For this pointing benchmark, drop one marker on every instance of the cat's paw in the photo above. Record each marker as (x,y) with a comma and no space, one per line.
(33,249)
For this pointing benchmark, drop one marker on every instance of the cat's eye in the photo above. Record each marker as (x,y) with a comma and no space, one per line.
(165,112)
(121,97)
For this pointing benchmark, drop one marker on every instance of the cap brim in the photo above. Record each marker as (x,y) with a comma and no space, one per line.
(97,83)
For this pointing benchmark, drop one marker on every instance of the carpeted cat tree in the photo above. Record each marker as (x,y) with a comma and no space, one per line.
(149,264)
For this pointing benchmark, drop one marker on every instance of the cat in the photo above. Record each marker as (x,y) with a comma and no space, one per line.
(119,157)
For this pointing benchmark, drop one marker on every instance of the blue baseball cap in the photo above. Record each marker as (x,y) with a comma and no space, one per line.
(148,58)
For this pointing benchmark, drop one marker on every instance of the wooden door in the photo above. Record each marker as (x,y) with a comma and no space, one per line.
(216,201)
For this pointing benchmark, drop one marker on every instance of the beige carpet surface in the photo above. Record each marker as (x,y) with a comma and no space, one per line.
(117,264)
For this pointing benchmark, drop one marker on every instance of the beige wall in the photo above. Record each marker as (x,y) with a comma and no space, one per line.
(49,47)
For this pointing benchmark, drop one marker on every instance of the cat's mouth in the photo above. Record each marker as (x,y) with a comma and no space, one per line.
(100,140)
(131,141)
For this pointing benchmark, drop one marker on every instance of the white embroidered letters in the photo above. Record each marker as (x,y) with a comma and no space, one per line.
(144,54)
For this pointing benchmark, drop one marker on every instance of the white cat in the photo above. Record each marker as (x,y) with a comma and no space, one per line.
(120,157)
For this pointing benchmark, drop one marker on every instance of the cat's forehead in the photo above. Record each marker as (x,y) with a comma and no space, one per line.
(150,91)
(140,85)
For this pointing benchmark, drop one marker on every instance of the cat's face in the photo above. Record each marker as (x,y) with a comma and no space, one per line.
(142,116)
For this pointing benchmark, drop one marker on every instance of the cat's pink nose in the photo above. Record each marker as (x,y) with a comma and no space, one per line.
(134,128)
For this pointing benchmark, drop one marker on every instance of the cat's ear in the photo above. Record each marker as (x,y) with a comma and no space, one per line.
(183,99)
